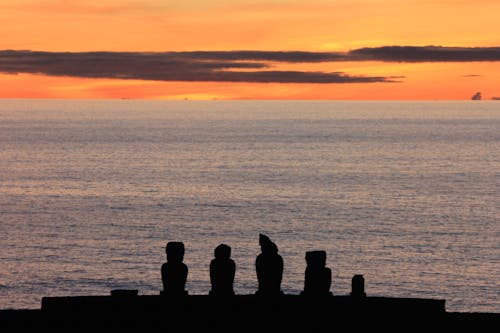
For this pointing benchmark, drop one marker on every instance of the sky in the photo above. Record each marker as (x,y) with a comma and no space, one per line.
(242,49)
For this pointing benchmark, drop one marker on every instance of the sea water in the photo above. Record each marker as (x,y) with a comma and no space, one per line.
(405,193)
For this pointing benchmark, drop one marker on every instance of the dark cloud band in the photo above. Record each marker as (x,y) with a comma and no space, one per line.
(426,54)
(384,53)
(234,66)
(231,66)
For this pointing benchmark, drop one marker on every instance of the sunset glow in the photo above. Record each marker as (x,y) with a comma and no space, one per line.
(315,26)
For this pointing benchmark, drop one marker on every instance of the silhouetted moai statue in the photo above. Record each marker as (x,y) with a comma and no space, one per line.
(222,270)
(358,286)
(318,277)
(174,271)
(269,265)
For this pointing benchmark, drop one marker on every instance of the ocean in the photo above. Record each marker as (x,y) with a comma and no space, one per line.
(405,193)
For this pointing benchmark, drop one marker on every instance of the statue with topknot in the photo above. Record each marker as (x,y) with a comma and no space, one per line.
(269,266)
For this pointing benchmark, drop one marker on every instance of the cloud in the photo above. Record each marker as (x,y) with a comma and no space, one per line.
(278,56)
(228,66)
(384,53)
(237,66)
(425,54)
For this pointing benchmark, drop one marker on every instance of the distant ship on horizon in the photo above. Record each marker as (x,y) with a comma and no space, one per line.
(477,96)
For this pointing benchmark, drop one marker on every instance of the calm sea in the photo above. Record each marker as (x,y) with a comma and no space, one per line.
(405,193)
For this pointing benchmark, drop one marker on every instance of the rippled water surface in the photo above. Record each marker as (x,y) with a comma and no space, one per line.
(406,193)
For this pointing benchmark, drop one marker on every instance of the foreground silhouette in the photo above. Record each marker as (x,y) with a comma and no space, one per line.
(222,270)
(317,311)
(318,277)
(269,266)
(174,272)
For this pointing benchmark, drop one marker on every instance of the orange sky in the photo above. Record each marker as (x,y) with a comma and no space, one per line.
(278,25)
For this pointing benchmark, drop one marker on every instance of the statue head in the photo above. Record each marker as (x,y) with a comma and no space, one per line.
(266,245)
(316,258)
(175,251)
(222,251)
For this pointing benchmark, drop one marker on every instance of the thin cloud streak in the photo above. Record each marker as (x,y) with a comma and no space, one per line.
(278,56)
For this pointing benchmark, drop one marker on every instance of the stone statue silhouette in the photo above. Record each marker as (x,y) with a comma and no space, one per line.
(358,286)
(222,270)
(269,266)
(174,272)
(318,277)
